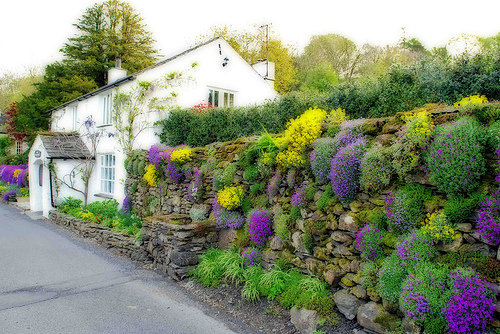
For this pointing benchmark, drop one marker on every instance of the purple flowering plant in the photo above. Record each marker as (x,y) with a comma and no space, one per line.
(415,248)
(472,304)
(273,185)
(251,256)
(195,188)
(299,196)
(455,160)
(324,149)
(8,194)
(369,241)
(424,293)
(345,170)
(225,218)
(126,205)
(488,222)
(260,226)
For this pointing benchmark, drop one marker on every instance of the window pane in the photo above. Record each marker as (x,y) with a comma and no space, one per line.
(216,98)
(226,99)
(231,100)
(210,96)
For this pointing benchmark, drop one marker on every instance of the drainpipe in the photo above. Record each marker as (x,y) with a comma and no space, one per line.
(50,185)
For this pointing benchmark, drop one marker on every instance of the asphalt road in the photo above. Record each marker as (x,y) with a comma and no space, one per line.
(54,282)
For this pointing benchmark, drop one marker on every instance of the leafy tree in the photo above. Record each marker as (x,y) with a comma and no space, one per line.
(320,78)
(334,50)
(13,86)
(252,47)
(105,31)
(60,83)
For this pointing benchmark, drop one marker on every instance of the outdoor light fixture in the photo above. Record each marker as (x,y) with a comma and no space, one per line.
(226,60)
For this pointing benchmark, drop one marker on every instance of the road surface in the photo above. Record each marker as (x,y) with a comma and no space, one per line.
(52,281)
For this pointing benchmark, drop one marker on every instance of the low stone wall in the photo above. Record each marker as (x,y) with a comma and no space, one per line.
(123,244)
(174,243)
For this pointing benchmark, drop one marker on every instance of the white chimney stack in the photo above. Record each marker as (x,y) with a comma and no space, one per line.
(265,69)
(117,72)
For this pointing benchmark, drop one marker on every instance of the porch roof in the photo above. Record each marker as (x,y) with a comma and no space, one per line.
(65,146)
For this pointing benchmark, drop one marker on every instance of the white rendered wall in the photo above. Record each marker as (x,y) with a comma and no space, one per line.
(237,76)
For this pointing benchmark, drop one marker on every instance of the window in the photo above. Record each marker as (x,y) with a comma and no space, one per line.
(19,147)
(74,116)
(227,98)
(40,175)
(107,173)
(107,107)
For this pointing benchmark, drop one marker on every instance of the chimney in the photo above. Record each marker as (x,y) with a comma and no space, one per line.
(117,72)
(265,69)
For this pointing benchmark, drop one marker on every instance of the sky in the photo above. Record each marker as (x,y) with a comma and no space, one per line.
(33,31)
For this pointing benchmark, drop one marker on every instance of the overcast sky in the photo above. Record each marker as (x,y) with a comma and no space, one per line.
(33,31)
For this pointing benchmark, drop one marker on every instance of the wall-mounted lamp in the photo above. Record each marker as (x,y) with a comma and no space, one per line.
(226,61)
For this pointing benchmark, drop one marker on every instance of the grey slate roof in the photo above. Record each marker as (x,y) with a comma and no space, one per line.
(133,75)
(65,146)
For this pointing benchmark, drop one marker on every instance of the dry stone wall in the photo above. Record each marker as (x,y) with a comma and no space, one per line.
(320,242)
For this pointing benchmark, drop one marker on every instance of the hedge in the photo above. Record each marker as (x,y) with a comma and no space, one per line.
(402,88)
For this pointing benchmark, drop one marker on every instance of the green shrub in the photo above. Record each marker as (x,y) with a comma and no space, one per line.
(425,294)
(376,170)
(494,135)
(485,112)
(250,290)
(369,275)
(390,278)
(260,201)
(282,230)
(404,208)
(459,209)
(209,270)
(106,208)
(70,203)
(326,197)
(295,213)
(308,241)
(218,181)
(273,283)
(257,188)
(228,174)
(455,157)
(133,188)
(333,130)
(251,173)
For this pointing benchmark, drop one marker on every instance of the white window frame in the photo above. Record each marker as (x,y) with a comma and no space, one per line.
(19,146)
(218,97)
(74,119)
(107,108)
(108,173)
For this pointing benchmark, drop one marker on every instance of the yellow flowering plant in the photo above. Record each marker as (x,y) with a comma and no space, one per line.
(151,175)
(17,172)
(230,198)
(337,115)
(419,125)
(87,216)
(437,227)
(299,134)
(471,100)
(182,155)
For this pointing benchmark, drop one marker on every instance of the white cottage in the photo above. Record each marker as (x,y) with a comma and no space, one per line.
(221,77)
